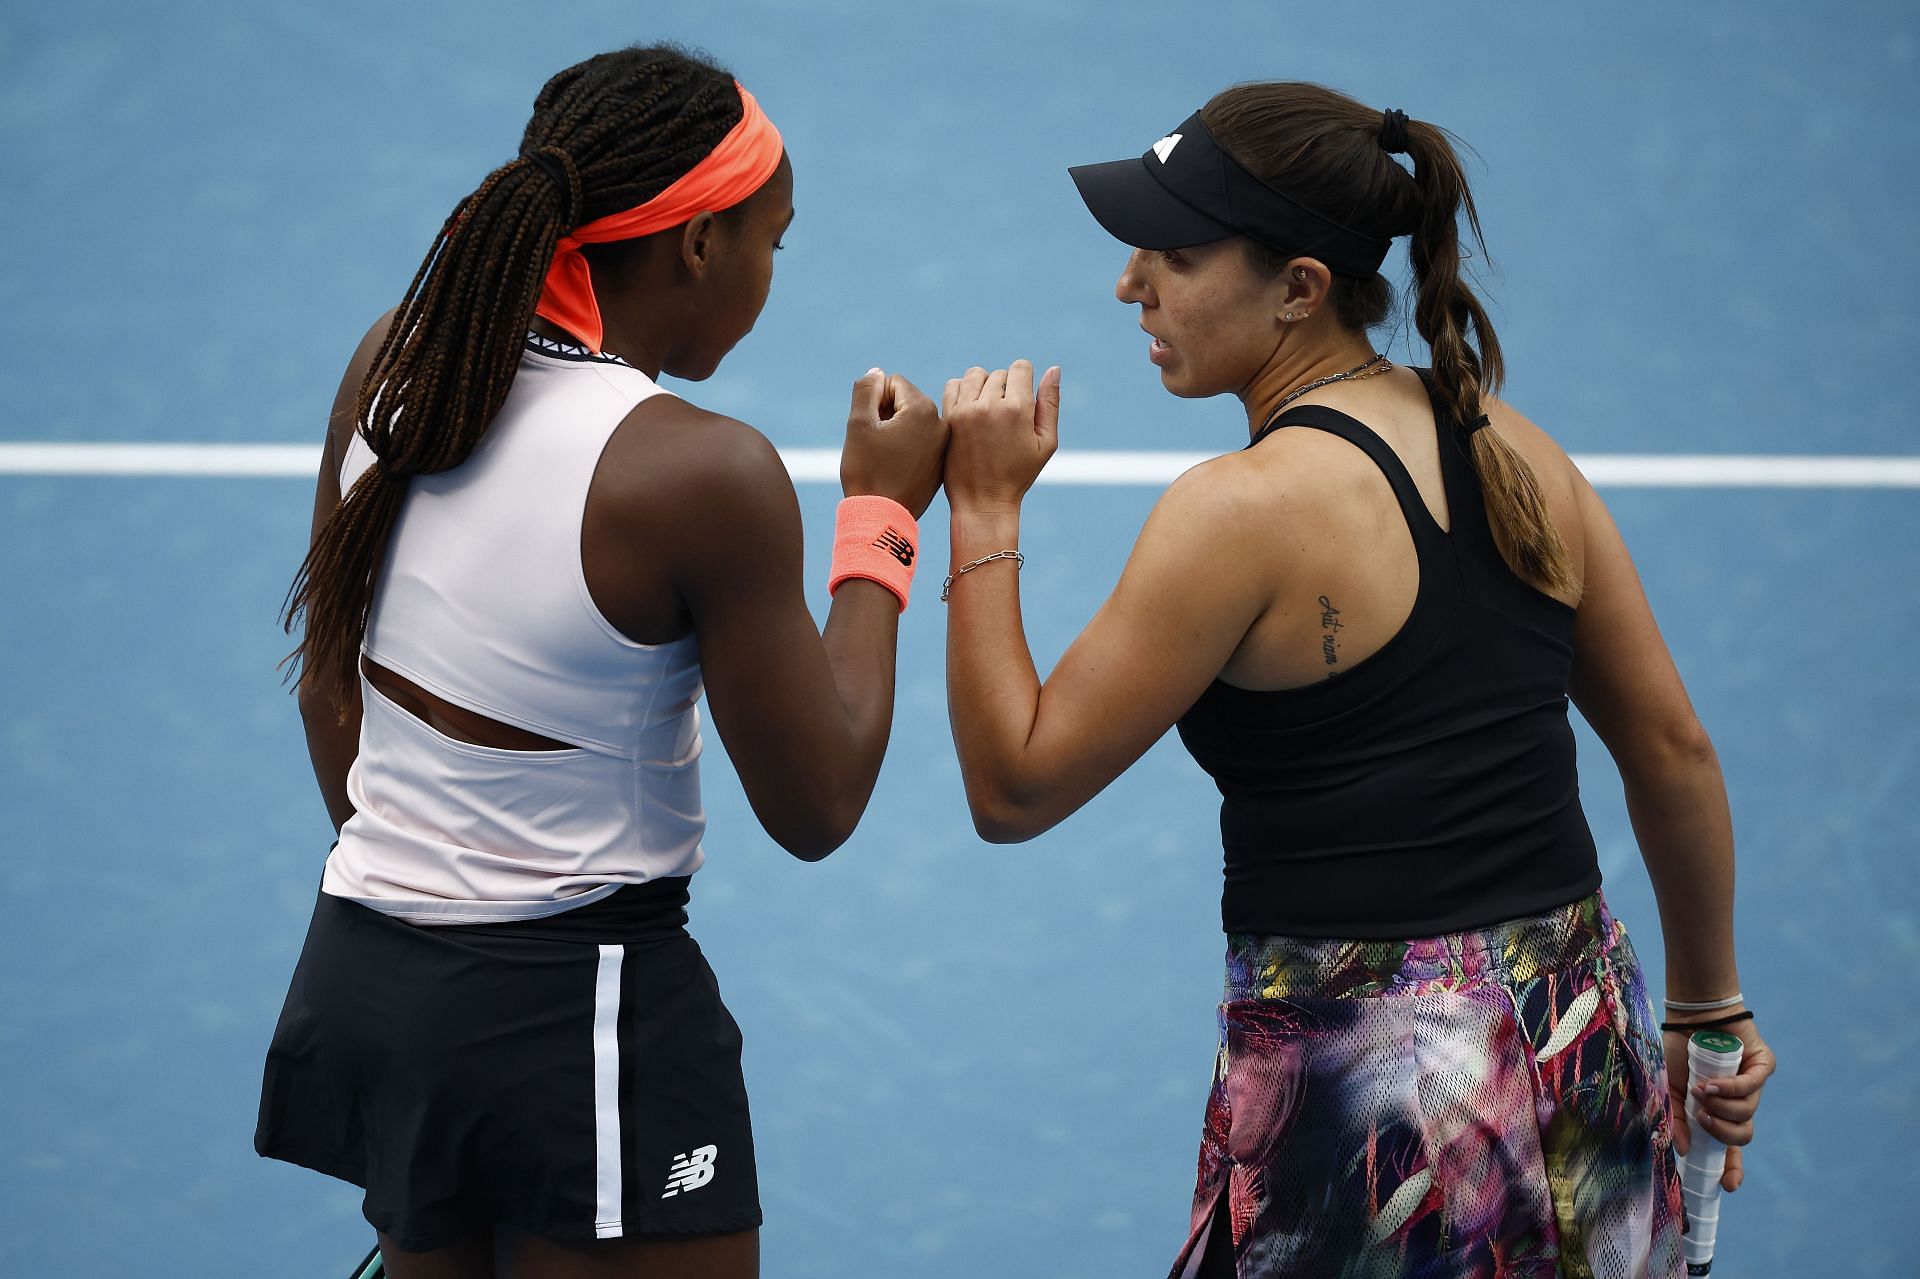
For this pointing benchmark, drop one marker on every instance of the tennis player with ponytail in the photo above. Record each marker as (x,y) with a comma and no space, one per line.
(1438,1056)
(499,1026)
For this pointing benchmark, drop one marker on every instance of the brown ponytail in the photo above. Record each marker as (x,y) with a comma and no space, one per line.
(606,135)
(1324,149)
(1466,370)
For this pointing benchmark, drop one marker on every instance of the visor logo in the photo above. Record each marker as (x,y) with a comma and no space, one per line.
(1164,147)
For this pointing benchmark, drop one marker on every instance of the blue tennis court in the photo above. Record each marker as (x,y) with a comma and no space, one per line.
(964,1059)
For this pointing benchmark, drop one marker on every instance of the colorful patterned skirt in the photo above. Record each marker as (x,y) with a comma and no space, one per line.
(1488,1103)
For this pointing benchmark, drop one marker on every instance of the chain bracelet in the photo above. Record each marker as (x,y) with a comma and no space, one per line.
(946,587)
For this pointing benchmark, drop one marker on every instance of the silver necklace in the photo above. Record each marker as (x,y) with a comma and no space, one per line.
(1353,374)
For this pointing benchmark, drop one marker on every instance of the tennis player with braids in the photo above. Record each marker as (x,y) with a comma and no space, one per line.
(499,1026)
(1438,1056)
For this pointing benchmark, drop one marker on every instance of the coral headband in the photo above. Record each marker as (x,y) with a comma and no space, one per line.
(732,171)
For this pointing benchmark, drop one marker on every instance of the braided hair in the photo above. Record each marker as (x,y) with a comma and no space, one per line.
(606,135)
(1332,154)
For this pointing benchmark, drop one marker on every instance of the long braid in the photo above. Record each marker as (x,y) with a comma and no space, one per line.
(620,128)
(1465,371)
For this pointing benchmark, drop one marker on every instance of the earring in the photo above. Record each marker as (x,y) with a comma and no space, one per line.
(1299,273)
(1289,315)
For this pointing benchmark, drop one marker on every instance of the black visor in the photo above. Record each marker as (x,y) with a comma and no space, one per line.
(1186,190)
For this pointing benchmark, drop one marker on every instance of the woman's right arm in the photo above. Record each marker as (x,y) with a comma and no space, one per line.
(805,714)
(1625,684)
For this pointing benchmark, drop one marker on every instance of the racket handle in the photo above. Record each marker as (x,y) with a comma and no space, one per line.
(1711,1054)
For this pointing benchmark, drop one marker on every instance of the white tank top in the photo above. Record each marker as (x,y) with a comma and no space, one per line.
(483,601)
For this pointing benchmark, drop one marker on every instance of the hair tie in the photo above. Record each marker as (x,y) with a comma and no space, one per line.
(1715,1023)
(558,166)
(1468,428)
(1393,131)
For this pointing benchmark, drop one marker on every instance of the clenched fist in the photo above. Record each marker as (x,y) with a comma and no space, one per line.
(896,443)
(1003,430)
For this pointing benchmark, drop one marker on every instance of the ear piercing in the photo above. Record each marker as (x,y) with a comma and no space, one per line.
(1300,273)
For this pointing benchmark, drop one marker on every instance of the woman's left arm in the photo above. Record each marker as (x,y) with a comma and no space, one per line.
(1031,753)
(333,735)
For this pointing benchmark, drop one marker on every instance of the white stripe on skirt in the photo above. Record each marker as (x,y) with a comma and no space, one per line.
(606,1094)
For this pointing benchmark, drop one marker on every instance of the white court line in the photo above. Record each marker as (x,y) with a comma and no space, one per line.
(1077,466)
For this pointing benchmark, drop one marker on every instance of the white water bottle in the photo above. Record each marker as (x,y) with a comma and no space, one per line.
(1711,1054)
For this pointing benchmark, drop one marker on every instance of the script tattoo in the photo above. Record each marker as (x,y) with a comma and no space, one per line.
(1329,624)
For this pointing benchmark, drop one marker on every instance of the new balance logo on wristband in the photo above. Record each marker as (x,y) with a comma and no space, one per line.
(690,1172)
(896,545)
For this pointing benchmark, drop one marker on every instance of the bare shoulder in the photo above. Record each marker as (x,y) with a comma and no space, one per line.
(671,456)
(1238,496)
(346,401)
(1297,474)
(1285,471)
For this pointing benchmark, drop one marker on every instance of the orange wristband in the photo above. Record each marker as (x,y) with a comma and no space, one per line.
(875,538)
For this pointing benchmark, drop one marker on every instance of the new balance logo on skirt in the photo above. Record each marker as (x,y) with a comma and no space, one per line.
(690,1172)
(896,545)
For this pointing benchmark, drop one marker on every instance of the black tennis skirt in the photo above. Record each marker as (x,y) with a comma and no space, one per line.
(576,1077)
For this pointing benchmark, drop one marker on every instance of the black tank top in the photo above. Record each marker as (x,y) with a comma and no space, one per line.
(1428,789)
